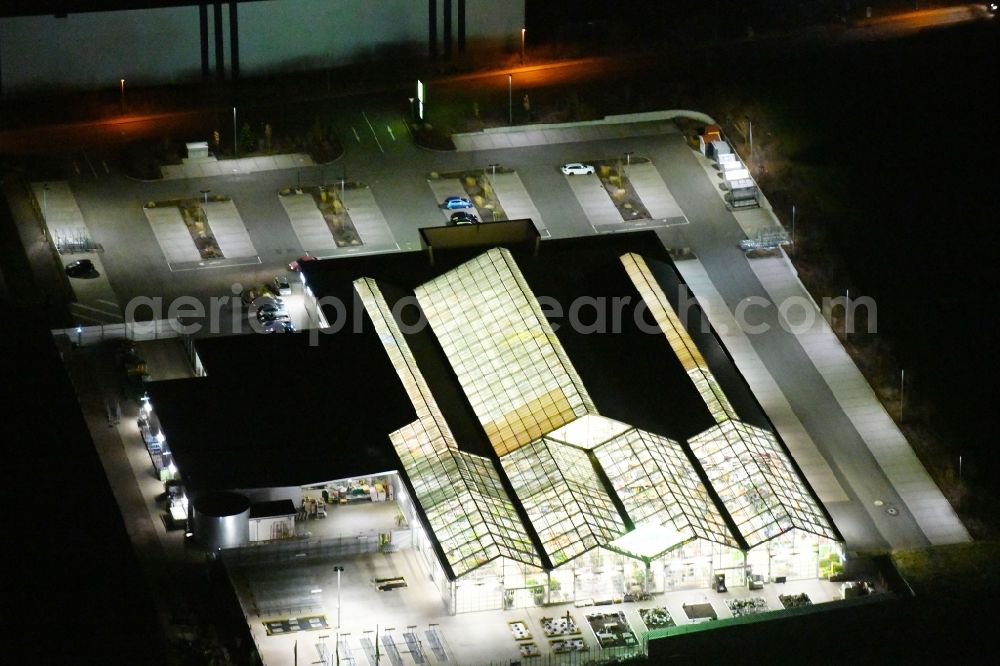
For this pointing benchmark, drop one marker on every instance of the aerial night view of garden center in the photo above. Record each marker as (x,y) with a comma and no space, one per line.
(513,332)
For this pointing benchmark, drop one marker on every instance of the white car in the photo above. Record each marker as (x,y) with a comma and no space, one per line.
(577,169)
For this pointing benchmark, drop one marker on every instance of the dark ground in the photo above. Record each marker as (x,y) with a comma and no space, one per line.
(72,589)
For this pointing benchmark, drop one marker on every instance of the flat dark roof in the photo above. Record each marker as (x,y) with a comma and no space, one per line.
(632,376)
(277,410)
(272,509)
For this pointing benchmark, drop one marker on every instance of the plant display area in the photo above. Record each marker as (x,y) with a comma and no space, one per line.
(656,618)
(749,606)
(794,600)
(560,626)
(612,629)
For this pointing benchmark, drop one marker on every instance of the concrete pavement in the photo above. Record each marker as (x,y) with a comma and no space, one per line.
(713,235)
(209,166)
(612,127)
(855,397)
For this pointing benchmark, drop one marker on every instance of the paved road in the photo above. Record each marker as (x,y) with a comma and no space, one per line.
(713,235)
(72,136)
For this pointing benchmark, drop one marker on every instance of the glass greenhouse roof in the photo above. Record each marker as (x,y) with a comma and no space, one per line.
(682,344)
(757,483)
(470,513)
(660,489)
(646,542)
(505,354)
(588,431)
(565,500)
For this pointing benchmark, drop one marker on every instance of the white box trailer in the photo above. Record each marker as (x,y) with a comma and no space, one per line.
(743,193)
(737,175)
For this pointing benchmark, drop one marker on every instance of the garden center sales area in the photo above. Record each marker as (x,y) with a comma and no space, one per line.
(503,453)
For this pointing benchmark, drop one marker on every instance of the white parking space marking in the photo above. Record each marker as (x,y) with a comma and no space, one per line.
(227,227)
(515,200)
(594,200)
(172,234)
(368,219)
(62,214)
(95,302)
(653,192)
(308,223)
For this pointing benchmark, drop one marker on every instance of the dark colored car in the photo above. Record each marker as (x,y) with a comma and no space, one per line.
(80,267)
(277,326)
(270,312)
(463,217)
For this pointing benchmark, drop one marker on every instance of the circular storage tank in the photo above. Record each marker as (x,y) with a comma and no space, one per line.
(221,520)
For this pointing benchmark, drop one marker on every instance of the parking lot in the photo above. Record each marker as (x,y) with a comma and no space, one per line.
(149,250)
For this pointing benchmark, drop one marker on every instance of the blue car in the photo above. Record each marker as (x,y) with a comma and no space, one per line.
(457,202)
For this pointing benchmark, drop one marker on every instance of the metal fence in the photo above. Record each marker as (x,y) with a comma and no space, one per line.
(77,243)
(591,656)
(300,550)
(764,241)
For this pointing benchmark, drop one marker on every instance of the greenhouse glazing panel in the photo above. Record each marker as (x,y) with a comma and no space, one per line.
(658,483)
(505,354)
(757,483)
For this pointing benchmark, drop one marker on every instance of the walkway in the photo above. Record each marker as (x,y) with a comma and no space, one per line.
(204,167)
(713,235)
(931,510)
(611,127)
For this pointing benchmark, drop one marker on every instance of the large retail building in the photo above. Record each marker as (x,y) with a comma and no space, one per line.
(556,422)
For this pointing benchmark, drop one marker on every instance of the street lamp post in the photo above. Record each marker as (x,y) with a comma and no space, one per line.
(902,393)
(204,194)
(793,227)
(522,46)
(510,99)
(493,186)
(45,208)
(847,312)
(236,141)
(123,96)
(750,132)
(628,160)
(339,570)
